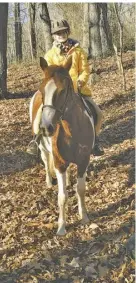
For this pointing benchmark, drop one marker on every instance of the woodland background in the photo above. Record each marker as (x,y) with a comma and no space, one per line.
(33,19)
(103,251)
(102,29)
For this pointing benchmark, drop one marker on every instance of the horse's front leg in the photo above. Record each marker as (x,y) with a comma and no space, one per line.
(45,159)
(62,198)
(81,198)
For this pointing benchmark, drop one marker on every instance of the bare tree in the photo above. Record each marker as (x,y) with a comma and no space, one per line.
(73,13)
(3,49)
(95,48)
(18,32)
(86,26)
(47,26)
(32,15)
(119,55)
(106,38)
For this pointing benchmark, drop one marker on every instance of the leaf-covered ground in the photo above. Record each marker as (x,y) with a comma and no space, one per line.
(103,250)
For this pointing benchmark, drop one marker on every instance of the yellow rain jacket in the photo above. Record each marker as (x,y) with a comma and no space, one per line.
(79,69)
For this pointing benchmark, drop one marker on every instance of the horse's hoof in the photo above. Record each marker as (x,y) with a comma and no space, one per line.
(54,181)
(85,220)
(49,185)
(61,232)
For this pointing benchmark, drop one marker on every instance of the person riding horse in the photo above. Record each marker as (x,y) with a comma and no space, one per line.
(62,48)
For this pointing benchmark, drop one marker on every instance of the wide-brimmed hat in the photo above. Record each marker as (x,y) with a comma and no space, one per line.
(59,25)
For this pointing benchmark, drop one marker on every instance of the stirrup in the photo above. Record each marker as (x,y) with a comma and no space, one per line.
(33,148)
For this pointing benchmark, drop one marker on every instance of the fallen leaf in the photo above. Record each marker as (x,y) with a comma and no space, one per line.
(102,270)
(63,260)
(75,262)
(93,226)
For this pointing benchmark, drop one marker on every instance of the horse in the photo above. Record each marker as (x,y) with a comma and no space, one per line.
(67,134)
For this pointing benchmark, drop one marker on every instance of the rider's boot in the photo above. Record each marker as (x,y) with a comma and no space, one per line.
(97,150)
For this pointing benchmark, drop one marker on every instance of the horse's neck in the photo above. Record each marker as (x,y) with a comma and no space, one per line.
(74,110)
(76,101)
(71,103)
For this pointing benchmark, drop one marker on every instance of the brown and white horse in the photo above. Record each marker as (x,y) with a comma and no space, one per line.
(67,133)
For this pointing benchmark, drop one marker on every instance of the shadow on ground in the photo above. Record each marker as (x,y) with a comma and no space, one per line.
(116,130)
(119,99)
(17,95)
(127,114)
(126,65)
(16,162)
(127,157)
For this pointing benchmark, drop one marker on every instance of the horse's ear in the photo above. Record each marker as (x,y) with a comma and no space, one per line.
(67,65)
(43,63)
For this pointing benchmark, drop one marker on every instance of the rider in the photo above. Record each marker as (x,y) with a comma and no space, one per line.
(62,48)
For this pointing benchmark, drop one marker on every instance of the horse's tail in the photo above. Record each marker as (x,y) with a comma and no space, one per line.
(51,166)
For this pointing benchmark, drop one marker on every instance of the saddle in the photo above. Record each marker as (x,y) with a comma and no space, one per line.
(89,107)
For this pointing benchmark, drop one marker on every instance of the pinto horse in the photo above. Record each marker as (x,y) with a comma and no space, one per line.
(67,133)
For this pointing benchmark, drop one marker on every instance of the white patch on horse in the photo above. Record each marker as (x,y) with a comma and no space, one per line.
(45,155)
(62,198)
(81,198)
(48,144)
(49,90)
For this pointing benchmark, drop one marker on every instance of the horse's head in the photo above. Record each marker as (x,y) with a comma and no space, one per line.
(54,89)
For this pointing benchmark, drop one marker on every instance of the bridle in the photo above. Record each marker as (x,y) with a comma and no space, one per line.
(61,111)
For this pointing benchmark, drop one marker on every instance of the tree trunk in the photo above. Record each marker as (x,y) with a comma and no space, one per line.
(95,48)
(86,27)
(119,55)
(47,26)
(106,38)
(18,32)
(32,14)
(3,49)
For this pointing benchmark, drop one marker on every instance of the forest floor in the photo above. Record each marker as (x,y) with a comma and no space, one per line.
(99,252)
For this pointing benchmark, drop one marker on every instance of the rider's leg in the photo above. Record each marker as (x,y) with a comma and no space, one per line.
(97,150)
(98,112)
(35,117)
